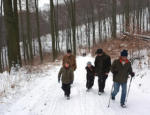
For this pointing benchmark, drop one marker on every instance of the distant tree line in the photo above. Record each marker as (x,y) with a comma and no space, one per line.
(22,23)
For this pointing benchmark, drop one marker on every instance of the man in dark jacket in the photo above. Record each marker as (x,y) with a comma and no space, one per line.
(90,75)
(102,68)
(121,69)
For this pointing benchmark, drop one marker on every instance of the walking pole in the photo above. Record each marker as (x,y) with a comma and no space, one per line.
(132,60)
(129,89)
(110,96)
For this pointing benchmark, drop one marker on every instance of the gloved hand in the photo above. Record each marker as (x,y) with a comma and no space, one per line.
(115,72)
(58,80)
(106,74)
(96,74)
(132,74)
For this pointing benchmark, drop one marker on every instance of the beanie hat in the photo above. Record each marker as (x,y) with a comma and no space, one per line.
(69,51)
(124,53)
(89,63)
(99,51)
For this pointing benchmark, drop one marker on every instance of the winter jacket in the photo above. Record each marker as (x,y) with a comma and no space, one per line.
(121,71)
(102,64)
(72,61)
(66,75)
(90,71)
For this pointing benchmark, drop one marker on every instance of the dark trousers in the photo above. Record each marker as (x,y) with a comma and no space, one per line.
(90,82)
(101,82)
(66,88)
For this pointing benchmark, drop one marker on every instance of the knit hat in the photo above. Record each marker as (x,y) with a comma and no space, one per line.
(69,51)
(99,51)
(89,63)
(124,53)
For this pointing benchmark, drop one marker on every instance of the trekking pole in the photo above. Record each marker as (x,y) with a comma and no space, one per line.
(110,96)
(132,61)
(129,89)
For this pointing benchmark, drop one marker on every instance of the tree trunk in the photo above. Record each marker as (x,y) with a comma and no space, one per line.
(29,41)
(52,23)
(22,33)
(1,10)
(93,21)
(127,15)
(71,7)
(16,33)
(38,30)
(11,24)
(114,31)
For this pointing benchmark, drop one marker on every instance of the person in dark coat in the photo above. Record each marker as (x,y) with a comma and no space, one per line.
(121,69)
(66,75)
(90,76)
(102,67)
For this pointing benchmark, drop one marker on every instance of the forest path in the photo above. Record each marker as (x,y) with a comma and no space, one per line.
(45,97)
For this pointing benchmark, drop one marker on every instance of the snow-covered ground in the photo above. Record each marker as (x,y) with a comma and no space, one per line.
(42,95)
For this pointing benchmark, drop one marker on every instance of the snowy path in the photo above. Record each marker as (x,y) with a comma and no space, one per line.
(45,97)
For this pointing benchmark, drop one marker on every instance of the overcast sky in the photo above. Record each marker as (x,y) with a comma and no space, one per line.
(42,2)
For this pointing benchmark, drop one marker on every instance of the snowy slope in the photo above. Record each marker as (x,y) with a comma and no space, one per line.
(43,95)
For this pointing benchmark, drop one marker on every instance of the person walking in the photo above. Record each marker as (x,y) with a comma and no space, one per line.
(66,76)
(121,69)
(90,76)
(71,59)
(102,68)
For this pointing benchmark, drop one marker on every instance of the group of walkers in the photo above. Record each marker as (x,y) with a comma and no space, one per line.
(121,69)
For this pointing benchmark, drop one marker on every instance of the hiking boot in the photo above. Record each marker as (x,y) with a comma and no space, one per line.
(123,105)
(99,93)
(87,90)
(113,98)
(103,91)
(68,97)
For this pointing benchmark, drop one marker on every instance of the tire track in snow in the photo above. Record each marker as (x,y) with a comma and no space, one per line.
(51,103)
(82,99)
